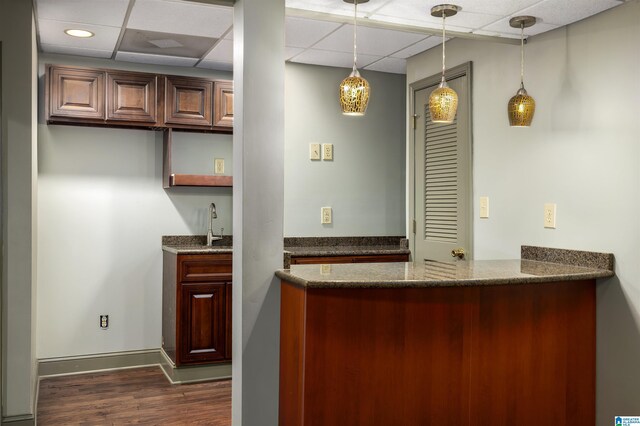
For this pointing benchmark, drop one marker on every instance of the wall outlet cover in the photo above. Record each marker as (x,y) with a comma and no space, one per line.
(314,151)
(550,215)
(327,151)
(218,166)
(484,207)
(325,218)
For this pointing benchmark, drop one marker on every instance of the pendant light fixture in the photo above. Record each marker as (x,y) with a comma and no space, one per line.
(354,90)
(521,107)
(443,101)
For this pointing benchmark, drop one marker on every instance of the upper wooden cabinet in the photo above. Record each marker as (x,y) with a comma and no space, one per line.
(75,93)
(223,108)
(188,101)
(125,98)
(132,97)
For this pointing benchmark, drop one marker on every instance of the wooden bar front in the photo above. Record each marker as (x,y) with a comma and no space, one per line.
(478,355)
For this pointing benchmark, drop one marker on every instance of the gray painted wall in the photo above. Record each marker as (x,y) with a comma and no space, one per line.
(102,208)
(582,153)
(364,184)
(19,183)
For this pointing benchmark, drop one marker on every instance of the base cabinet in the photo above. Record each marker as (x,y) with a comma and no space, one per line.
(196,326)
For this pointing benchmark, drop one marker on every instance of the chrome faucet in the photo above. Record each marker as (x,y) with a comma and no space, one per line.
(213,215)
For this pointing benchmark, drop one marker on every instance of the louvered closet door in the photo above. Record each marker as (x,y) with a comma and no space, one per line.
(442,179)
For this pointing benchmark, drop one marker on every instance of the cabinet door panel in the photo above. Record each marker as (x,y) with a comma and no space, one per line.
(223,112)
(76,93)
(131,97)
(202,323)
(188,101)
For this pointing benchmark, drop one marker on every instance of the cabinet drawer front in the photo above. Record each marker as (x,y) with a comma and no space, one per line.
(321,260)
(381,258)
(200,268)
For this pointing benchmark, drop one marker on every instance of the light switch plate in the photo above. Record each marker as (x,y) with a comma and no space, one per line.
(327,151)
(325,217)
(550,215)
(314,151)
(218,164)
(484,207)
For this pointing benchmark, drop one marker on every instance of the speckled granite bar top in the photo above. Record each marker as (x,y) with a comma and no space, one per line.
(437,274)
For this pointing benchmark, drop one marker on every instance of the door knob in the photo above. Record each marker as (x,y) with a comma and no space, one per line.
(459,253)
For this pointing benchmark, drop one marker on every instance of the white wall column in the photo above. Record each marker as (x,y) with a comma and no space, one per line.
(19,168)
(258,206)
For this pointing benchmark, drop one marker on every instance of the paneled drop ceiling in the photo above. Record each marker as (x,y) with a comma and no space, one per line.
(199,34)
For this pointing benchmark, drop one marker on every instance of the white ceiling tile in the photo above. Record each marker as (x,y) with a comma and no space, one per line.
(77,51)
(393,65)
(213,65)
(290,52)
(418,47)
(300,32)
(502,28)
(563,12)
(96,12)
(175,17)
(418,13)
(222,52)
(52,32)
(336,7)
(145,58)
(333,59)
(495,7)
(371,41)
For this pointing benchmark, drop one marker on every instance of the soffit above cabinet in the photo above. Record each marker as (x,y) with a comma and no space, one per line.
(198,33)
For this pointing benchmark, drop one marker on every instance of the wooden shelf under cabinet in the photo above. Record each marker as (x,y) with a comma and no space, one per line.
(170,179)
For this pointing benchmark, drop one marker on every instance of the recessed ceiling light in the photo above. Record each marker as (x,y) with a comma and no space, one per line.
(79,33)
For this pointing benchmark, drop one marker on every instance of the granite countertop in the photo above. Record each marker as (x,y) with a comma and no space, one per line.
(196,244)
(576,265)
(302,251)
(295,246)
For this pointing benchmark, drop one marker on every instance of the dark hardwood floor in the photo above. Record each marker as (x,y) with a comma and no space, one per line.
(135,396)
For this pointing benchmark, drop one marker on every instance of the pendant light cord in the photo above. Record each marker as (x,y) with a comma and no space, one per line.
(522,54)
(443,43)
(355,31)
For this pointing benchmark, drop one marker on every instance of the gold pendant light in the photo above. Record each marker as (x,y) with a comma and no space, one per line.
(354,90)
(521,107)
(443,101)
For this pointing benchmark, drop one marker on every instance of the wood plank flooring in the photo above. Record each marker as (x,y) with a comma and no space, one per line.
(135,396)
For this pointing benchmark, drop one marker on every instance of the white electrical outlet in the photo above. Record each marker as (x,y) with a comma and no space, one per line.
(218,166)
(327,151)
(314,151)
(550,215)
(325,215)
(484,207)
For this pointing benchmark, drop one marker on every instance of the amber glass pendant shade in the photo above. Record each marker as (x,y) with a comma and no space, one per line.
(443,104)
(443,101)
(354,94)
(521,109)
(354,91)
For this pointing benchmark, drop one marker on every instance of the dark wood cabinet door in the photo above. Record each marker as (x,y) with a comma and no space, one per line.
(188,101)
(223,104)
(75,93)
(202,323)
(131,97)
